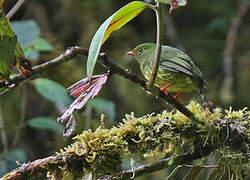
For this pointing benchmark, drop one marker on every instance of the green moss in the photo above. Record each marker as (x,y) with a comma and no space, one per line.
(234,163)
(167,134)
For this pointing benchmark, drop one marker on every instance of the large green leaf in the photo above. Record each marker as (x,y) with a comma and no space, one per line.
(46,123)
(27,31)
(7,49)
(10,48)
(31,51)
(104,106)
(42,45)
(113,23)
(6,30)
(52,91)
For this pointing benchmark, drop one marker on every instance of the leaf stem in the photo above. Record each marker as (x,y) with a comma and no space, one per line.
(159,41)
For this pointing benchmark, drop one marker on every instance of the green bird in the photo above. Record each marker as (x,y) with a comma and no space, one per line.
(177,72)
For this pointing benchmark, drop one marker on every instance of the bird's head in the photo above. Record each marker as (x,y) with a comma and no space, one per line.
(142,51)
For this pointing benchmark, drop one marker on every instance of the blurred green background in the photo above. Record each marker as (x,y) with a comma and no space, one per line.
(28,112)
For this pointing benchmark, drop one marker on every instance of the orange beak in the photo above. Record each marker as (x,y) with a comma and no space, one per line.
(131,53)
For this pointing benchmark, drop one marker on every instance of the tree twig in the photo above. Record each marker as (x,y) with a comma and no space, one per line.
(15,9)
(68,55)
(226,90)
(36,166)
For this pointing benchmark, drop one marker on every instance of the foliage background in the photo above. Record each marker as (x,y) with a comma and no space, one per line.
(201,29)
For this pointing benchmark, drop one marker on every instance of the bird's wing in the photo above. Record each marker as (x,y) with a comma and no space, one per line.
(178,64)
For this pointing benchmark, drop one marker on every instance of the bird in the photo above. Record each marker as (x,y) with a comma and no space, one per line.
(177,73)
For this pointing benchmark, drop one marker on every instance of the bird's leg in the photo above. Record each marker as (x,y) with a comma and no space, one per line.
(165,87)
(177,95)
(204,100)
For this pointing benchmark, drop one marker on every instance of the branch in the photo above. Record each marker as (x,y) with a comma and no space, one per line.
(74,51)
(36,166)
(42,165)
(68,55)
(101,151)
(226,91)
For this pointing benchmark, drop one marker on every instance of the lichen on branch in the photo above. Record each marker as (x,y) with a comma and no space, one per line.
(169,136)
(165,135)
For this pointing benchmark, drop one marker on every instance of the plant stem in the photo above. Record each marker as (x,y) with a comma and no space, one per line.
(159,40)
(15,9)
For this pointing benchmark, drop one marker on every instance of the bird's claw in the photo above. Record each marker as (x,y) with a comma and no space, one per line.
(165,87)
(177,95)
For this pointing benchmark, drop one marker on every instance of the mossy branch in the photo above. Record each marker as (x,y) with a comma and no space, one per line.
(169,136)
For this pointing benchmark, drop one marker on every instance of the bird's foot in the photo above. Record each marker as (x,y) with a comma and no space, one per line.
(177,95)
(165,87)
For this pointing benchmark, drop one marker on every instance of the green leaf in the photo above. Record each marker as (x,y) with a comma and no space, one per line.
(42,45)
(30,53)
(45,123)
(105,106)
(7,31)
(39,45)
(7,49)
(52,91)
(27,31)
(113,23)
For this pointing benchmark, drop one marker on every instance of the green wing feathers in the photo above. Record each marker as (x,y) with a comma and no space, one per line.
(174,60)
(175,67)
